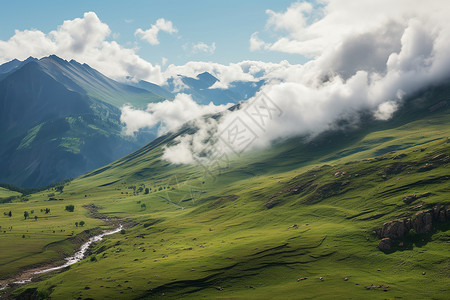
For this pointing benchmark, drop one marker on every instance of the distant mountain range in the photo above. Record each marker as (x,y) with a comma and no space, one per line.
(203,91)
(59,119)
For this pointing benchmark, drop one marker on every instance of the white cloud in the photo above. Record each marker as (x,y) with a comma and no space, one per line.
(368,56)
(255,42)
(151,34)
(203,47)
(310,31)
(85,40)
(169,114)
(225,73)
(385,110)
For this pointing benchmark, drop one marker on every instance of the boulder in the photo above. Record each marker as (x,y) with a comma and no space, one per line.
(436,212)
(423,221)
(385,244)
(396,229)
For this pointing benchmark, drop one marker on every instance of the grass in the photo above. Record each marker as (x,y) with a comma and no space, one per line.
(5,193)
(213,236)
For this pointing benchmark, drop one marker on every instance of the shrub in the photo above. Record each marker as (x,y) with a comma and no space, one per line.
(70,208)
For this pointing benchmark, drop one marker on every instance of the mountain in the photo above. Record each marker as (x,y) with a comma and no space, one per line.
(202,89)
(59,119)
(151,87)
(303,218)
(13,65)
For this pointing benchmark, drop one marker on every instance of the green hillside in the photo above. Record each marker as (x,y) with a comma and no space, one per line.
(255,229)
(5,193)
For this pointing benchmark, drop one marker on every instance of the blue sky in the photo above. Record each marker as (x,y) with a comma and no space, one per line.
(228,24)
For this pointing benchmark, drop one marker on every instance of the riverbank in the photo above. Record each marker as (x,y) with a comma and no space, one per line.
(33,273)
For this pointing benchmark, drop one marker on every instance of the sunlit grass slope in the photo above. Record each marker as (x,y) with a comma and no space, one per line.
(230,233)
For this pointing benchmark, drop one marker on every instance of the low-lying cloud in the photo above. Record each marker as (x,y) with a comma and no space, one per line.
(168,115)
(366,57)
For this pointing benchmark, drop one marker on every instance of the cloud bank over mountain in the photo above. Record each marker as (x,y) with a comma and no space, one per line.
(364,55)
(169,114)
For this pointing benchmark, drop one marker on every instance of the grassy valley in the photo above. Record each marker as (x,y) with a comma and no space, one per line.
(254,229)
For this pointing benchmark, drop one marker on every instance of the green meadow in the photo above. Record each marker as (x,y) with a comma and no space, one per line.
(249,230)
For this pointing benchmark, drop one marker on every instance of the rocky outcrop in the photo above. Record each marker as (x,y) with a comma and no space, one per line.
(422,223)
(396,229)
(385,244)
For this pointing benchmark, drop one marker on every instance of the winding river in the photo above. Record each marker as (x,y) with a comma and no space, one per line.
(78,256)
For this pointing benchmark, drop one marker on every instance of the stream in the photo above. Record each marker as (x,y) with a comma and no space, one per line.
(78,256)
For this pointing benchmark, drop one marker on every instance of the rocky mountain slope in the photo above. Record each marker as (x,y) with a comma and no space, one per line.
(59,119)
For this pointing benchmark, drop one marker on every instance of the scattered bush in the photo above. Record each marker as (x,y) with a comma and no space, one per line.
(70,208)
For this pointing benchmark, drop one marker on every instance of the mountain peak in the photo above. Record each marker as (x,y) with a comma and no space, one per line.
(205,76)
(54,58)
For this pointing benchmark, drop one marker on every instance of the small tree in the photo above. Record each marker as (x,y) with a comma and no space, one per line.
(146,191)
(35,218)
(82,223)
(76,224)
(59,188)
(143,206)
(70,208)
(10,214)
(26,214)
